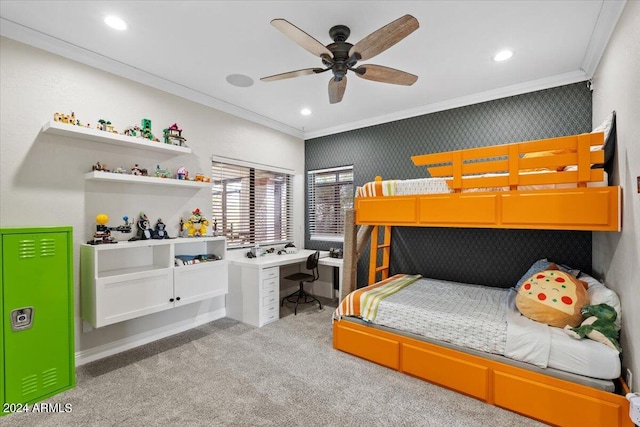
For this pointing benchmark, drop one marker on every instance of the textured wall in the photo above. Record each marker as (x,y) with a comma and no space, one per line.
(493,257)
(616,255)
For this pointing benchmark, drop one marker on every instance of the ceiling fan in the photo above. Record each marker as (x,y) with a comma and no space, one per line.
(342,56)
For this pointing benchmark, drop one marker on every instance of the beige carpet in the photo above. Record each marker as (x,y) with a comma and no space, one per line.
(226,373)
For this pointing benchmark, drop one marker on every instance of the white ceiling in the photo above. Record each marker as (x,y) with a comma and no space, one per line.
(189,48)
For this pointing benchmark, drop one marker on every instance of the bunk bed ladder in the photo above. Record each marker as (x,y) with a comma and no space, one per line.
(376,247)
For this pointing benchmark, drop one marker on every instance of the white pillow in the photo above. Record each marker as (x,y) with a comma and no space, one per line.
(600,294)
(605,127)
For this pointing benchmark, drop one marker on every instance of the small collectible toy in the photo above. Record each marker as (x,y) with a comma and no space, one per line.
(106,126)
(197,224)
(133,131)
(182,173)
(159,231)
(173,135)
(135,170)
(145,124)
(162,173)
(202,178)
(144,232)
(599,325)
(100,167)
(103,233)
(66,118)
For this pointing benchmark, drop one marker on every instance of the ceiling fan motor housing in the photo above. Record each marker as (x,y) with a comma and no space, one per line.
(340,49)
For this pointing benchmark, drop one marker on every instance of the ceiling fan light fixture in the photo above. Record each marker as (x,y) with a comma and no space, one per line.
(115,23)
(503,55)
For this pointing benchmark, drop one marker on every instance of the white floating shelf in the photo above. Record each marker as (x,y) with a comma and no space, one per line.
(94,135)
(147,180)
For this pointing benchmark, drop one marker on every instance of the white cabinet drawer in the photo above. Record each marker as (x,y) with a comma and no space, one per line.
(269,300)
(271,291)
(270,284)
(270,313)
(271,273)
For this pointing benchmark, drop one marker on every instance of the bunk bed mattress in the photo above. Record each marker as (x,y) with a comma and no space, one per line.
(485,319)
(407,187)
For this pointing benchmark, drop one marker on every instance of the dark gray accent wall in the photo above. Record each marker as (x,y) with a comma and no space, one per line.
(491,257)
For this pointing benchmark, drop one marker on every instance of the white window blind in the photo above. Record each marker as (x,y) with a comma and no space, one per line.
(330,193)
(252,205)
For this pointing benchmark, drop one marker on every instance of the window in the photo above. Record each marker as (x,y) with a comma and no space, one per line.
(252,204)
(330,193)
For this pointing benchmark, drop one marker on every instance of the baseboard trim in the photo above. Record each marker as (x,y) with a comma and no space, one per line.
(86,356)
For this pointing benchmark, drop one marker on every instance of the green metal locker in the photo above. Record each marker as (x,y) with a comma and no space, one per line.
(36,302)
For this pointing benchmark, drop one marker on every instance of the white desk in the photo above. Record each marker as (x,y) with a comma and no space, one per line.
(254,284)
(336,263)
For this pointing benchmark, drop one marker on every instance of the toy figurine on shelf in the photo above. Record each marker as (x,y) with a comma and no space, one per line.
(143,228)
(159,231)
(119,170)
(215,227)
(162,173)
(173,135)
(181,228)
(197,224)
(124,228)
(101,167)
(106,126)
(135,131)
(66,118)
(182,173)
(103,233)
(145,124)
(136,170)
(200,177)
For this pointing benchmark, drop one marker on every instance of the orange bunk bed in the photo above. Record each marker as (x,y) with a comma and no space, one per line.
(498,175)
(486,189)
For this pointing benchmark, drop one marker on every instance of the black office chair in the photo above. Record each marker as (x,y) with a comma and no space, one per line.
(301,294)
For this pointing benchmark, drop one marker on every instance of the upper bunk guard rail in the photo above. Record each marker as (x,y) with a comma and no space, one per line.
(509,197)
(518,164)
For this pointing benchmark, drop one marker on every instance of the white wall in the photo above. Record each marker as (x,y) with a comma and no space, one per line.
(41,176)
(616,256)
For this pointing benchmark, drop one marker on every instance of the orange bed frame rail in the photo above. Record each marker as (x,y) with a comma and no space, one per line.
(579,208)
(548,399)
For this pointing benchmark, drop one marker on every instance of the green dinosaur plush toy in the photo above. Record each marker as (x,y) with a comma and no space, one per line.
(599,325)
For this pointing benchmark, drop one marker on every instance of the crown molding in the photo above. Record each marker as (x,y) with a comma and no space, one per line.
(476,98)
(605,25)
(76,53)
(609,14)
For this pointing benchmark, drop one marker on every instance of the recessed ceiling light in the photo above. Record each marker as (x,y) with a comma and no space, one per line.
(115,22)
(239,80)
(305,112)
(503,55)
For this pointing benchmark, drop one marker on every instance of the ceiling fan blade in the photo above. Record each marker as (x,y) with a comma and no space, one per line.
(290,74)
(300,37)
(378,73)
(382,39)
(336,90)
